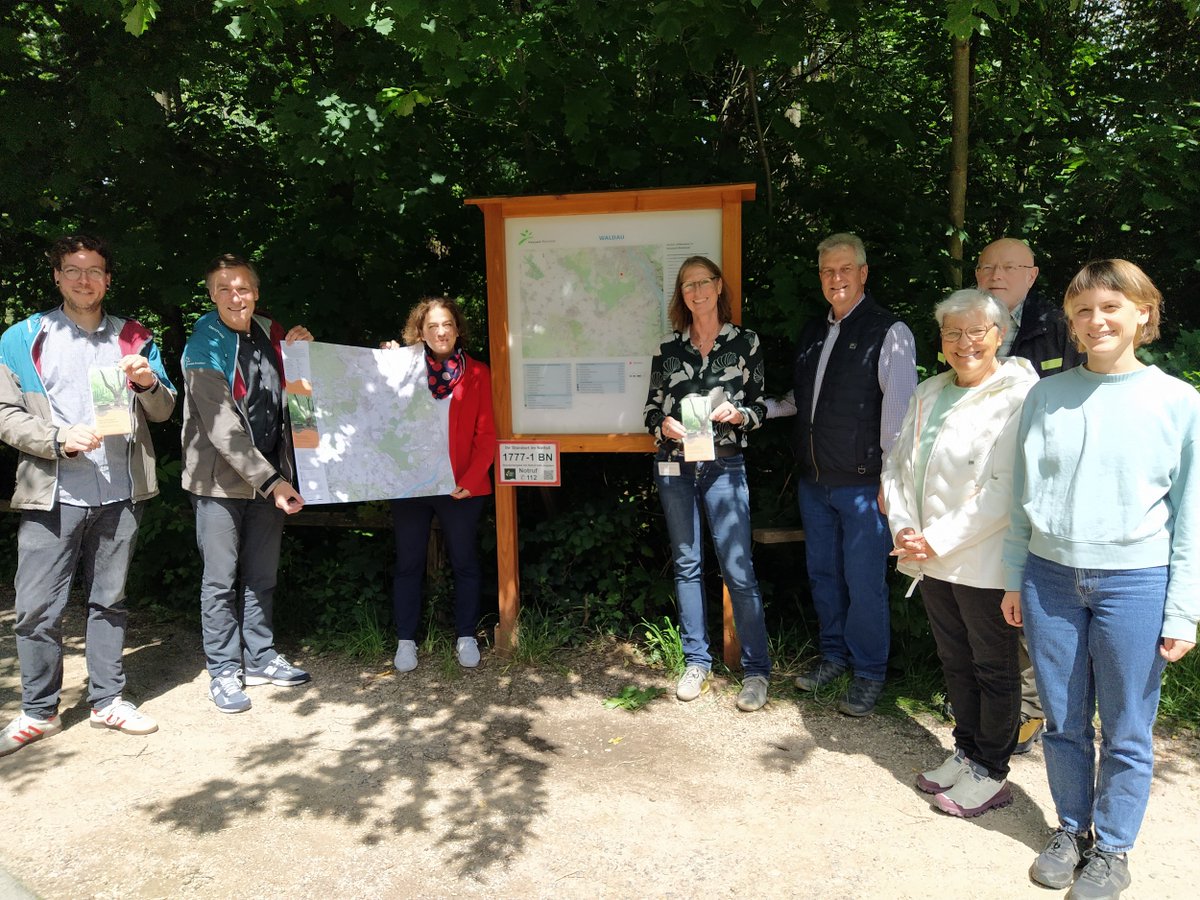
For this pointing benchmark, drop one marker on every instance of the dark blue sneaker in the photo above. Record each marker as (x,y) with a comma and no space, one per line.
(226,692)
(278,672)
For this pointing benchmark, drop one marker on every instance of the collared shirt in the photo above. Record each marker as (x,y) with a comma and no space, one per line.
(68,353)
(735,364)
(897,375)
(1014,326)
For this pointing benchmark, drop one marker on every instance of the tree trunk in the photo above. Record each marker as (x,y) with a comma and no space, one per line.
(960,94)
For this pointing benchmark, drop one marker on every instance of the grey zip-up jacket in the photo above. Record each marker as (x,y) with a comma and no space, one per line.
(26,422)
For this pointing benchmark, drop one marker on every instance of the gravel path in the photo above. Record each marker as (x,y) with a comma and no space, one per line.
(515,783)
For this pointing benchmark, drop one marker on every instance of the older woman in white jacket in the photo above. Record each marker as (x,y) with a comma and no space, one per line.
(948,488)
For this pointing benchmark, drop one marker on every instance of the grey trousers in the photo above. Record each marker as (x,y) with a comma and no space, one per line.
(239,544)
(99,542)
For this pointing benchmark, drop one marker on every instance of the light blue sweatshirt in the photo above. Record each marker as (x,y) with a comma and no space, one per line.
(1106,478)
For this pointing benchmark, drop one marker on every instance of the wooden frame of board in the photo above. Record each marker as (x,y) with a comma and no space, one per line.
(727,198)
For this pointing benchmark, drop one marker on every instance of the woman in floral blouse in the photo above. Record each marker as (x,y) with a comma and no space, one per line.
(709,366)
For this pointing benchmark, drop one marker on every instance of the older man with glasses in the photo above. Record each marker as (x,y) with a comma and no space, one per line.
(77,386)
(1037,332)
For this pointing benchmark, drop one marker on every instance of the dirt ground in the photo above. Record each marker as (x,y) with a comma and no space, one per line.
(514,782)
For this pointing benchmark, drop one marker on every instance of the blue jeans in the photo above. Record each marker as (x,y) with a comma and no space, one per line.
(1093,638)
(239,544)
(412,518)
(719,489)
(846,545)
(51,545)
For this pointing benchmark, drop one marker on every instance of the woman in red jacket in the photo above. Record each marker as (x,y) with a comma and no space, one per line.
(466,384)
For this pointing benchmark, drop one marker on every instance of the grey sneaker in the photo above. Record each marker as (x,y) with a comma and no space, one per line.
(467,651)
(973,794)
(753,694)
(226,692)
(1104,876)
(25,729)
(1055,866)
(861,698)
(122,716)
(694,682)
(278,672)
(820,675)
(944,776)
(406,656)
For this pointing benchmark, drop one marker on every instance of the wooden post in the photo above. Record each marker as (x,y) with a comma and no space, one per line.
(508,571)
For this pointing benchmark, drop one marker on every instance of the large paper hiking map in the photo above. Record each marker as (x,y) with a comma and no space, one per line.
(365,425)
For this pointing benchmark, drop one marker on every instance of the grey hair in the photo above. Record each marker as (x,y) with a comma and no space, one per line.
(843,239)
(968,300)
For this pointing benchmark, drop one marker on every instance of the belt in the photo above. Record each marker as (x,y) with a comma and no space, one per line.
(723,451)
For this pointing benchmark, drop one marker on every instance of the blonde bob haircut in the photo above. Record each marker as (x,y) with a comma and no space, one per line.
(414,328)
(1122,277)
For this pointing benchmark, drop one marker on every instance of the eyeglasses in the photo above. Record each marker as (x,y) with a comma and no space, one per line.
(689,287)
(74,273)
(974,333)
(1006,269)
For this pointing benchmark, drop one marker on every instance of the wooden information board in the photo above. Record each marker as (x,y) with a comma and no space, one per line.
(577,292)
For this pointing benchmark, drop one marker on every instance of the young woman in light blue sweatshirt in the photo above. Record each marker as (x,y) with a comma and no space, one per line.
(1102,568)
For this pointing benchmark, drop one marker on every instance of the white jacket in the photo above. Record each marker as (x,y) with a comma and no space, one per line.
(968,479)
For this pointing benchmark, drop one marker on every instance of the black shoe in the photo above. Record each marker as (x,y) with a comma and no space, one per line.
(860,700)
(820,675)
(1104,876)
(1055,866)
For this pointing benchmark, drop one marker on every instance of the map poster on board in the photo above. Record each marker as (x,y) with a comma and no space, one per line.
(587,302)
(364,424)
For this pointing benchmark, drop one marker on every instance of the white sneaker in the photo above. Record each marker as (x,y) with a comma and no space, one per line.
(944,776)
(26,729)
(406,656)
(974,794)
(694,682)
(467,650)
(123,716)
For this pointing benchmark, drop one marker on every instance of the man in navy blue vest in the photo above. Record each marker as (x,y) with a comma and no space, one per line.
(855,372)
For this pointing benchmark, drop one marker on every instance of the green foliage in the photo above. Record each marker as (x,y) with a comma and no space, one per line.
(360,634)
(541,638)
(600,562)
(663,646)
(165,572)
(1180,704)
(631,698)
(334,582)
(1181,359)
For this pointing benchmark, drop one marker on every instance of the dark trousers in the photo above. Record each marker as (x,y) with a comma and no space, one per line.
(412,518)
(978,650)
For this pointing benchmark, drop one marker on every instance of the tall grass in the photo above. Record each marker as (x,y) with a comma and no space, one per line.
(664,647)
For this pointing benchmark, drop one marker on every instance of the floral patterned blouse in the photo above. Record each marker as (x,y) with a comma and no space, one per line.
(735,363)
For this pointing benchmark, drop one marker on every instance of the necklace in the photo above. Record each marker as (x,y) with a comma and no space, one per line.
(703,344)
